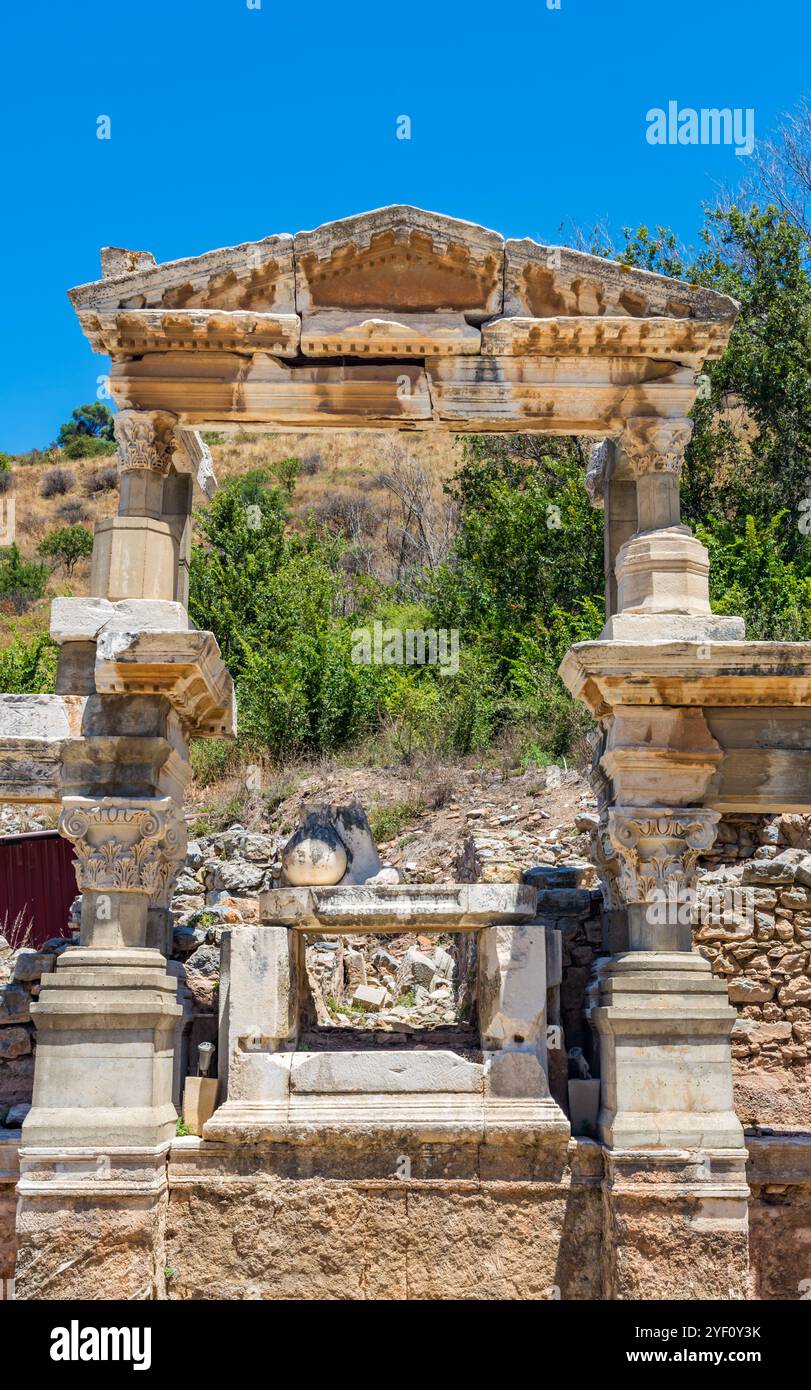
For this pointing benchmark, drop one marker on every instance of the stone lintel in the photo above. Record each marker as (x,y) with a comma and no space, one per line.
(398,907)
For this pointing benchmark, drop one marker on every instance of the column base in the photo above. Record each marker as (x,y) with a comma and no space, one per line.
(91,1223)
(675,1225)
(105,1039)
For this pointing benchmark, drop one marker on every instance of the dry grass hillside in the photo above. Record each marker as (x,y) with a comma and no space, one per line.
(340,482)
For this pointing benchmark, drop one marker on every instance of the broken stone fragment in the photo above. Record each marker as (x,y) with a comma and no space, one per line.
(369,997)
(14,1042)
(31,965)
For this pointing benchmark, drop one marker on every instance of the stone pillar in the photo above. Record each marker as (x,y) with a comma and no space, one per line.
(662,572)
(136,555)
(511,998)
(674,1153)
(94,1144)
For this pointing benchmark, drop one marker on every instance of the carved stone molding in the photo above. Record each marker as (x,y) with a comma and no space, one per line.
(658,846)
(608,864)
(655,445)
(146,439)
(124,845)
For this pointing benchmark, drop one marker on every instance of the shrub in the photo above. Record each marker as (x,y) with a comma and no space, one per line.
(29,669)
(6,480)
(21,581)
(71,512)
(86,446)
(103,480)
(67,546)
(57,482)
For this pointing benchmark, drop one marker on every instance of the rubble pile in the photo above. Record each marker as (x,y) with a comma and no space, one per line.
(390,983)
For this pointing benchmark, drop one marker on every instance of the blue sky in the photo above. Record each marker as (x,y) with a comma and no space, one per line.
(229,123)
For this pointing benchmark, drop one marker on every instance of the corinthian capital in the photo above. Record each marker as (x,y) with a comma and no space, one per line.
(124,845)
(658,846)
(146,439)
(655,446)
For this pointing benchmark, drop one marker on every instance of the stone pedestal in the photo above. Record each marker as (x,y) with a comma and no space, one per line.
(664,1024)
(105,1036)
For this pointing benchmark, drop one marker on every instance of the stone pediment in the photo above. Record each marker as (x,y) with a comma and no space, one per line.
(401,316)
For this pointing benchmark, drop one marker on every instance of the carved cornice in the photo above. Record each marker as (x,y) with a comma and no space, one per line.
(655,445)
(124,845)
(658,846)
(146,439)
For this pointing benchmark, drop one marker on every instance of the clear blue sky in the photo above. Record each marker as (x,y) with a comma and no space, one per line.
(230,123)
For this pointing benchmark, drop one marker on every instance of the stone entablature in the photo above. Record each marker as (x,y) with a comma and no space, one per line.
(448,325)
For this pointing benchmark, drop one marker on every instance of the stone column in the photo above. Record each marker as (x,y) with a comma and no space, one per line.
(662,572)
(674,1152)
(136,554)
(95,1143)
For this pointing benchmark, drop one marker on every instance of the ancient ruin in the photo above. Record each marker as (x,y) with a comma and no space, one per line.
(398,319)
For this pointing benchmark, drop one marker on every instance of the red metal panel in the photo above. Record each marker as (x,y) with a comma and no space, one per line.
(37,878)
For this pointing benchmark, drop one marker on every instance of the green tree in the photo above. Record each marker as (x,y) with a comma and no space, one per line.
(66,546)
(21,581)
(94,419)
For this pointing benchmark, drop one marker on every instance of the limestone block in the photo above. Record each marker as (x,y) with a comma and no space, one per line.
(514,1073)
(331,332)
(259,975)
(82,619)
(14,1042)
(547,281)
(255,275)
(398,907)
(575,394)
(132,332)
(134,558)
(105,1036)
(664,1026)
(31,965)
(268,390)
(34,732)
(512,984)
(562,335)
(15,1005)
(369,997)
(199,1101)
(385,1072)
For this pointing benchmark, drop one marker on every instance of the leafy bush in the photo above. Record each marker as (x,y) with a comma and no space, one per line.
(67,546)
(6,480)
(752,578)
(21,581)
(88,447)
(29,669)
(56,482)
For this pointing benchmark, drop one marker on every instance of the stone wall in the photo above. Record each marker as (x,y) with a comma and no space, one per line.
(754,925)
(21,971)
